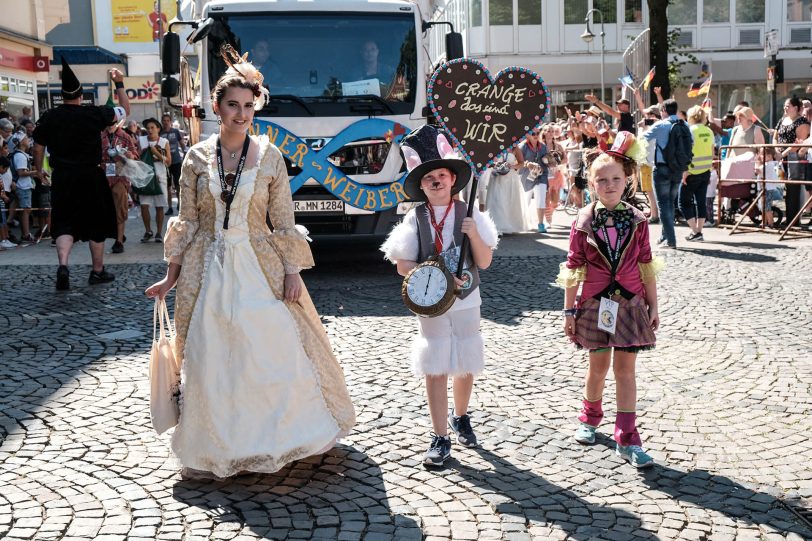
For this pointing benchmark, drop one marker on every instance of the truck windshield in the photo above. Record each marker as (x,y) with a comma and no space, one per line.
(319,64)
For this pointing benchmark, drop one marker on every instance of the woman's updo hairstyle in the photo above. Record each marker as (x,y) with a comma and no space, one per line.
(240,74)
(795,101)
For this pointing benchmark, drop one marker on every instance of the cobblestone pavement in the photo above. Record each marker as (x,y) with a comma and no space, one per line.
(724,407)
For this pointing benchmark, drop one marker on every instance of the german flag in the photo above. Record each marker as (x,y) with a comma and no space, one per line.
(698,89)
(648,79)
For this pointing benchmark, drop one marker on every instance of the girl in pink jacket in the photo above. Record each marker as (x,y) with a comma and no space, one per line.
(616,314)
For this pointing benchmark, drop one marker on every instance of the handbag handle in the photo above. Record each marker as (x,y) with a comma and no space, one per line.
(161,320)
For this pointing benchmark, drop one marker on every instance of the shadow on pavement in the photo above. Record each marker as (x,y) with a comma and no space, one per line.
(723,495)
(516,491)
(325,496)
(734,256)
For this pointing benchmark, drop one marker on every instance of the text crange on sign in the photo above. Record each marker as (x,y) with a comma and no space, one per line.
(314,163)
(487,116)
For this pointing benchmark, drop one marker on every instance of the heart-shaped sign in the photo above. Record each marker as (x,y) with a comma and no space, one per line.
(486,116)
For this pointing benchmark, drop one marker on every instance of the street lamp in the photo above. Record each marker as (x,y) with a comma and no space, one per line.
(588,36)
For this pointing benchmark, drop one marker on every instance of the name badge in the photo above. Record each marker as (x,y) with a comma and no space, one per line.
(110,169)
(607,315)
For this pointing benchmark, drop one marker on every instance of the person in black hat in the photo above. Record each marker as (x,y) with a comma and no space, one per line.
(449,344)
(81,199)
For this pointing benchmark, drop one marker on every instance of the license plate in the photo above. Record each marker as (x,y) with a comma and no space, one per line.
(318,205)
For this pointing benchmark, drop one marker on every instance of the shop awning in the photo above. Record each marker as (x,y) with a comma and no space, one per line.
(86,54)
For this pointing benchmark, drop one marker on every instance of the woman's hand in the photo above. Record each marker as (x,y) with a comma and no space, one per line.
(569,327)
(293,287)
(159,289)
(653,318)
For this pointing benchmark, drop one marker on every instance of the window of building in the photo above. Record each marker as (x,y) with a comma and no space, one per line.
(716,11)
(476,13)
(749,11)
(500,12)
(609,10)
(633,11)
(799,11)
(575,11)
(529,11)
(682,12)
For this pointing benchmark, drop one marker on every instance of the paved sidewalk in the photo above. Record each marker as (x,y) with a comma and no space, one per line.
(724,405)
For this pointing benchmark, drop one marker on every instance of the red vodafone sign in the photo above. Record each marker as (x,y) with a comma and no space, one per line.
(41,63)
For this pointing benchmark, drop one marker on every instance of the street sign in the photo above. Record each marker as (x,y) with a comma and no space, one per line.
(770,43)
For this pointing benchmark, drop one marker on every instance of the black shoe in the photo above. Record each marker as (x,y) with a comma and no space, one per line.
(654,220)
(169,211)
(102,277)
(62,278)
(118,247)
(147,236)
(439,451)
(695,237)
(462,426)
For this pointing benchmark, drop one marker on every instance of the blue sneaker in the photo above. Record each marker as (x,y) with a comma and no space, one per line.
(462,426)
(585,434)
(542,228)
(439,451)
(635,455)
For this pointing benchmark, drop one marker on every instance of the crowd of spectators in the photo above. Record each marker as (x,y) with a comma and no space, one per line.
(25,195)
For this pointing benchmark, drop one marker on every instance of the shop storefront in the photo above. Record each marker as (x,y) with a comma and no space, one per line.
(24,64)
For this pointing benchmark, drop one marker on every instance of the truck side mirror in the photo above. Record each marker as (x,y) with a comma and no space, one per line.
(453,46)
(170,87)
(201,30)
(170,52)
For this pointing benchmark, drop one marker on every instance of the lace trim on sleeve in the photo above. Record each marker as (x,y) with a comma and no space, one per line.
(652,269)
(570,277)
(179,234)
(291,245)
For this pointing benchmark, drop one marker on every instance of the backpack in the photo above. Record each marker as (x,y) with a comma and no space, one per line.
(678,152)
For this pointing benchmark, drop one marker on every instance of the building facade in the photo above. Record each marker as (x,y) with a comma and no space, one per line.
(727,36)
(24,53)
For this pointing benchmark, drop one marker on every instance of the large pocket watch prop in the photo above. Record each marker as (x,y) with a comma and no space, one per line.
(429,288)
(486,117)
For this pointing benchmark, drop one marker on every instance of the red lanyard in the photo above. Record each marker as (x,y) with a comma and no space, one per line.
(438,228)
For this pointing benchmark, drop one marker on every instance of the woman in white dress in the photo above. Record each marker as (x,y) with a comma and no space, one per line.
(505,197)
(260,386)
(161,160)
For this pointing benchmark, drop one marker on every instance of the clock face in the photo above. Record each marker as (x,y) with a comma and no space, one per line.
(427,286)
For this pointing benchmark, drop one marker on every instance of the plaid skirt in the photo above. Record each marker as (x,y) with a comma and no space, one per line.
(632,331)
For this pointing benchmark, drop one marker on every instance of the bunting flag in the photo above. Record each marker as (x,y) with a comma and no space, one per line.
(698,89)
(649,77)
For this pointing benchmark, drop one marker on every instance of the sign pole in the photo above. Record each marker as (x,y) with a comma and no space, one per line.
(465,247)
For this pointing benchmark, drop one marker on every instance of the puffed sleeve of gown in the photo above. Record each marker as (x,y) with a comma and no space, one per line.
(288,239)
(181,229)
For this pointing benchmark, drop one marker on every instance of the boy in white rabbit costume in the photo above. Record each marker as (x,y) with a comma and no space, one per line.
(449,344)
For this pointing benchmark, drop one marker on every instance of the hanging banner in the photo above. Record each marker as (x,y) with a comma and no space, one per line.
(315,164)
(140,21)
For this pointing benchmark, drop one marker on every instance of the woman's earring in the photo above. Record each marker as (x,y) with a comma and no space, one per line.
(219,122)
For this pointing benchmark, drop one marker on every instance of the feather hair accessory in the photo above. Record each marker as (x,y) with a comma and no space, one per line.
(239,65)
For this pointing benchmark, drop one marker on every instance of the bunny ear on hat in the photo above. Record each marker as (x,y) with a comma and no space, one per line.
(426,149)
(71,87)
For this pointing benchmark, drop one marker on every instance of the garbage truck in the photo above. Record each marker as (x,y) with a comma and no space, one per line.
(347,80)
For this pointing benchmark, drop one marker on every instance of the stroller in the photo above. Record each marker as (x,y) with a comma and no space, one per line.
(737,196)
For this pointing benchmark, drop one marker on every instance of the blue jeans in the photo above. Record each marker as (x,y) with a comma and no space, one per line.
(666,184)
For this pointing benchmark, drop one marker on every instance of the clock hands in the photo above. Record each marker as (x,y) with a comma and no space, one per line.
(427,284)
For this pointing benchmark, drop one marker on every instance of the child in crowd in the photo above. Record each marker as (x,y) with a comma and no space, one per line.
(449,344)
(5,200)
(767,165)
(616,314)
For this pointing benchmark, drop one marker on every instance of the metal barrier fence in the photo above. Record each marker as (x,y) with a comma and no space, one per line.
(729,187)
(636,62)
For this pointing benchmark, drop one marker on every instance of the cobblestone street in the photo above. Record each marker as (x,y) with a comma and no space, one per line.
(724,407)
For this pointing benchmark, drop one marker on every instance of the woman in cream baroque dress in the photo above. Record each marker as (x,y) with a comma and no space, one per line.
(260,386)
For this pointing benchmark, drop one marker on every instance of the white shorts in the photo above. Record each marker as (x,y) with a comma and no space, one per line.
(156,200)
(540,195)
(450,344)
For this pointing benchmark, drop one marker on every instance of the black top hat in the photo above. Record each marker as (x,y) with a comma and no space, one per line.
(426,149)
(71,87)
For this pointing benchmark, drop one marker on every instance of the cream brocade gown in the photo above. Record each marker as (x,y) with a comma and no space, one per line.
(260,384)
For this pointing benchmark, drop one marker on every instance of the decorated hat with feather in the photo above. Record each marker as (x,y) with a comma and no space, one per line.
(425,149)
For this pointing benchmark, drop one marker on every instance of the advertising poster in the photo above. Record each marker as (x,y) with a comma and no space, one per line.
(139,21)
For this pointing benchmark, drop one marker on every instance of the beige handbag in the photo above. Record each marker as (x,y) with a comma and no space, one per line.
(164,372)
